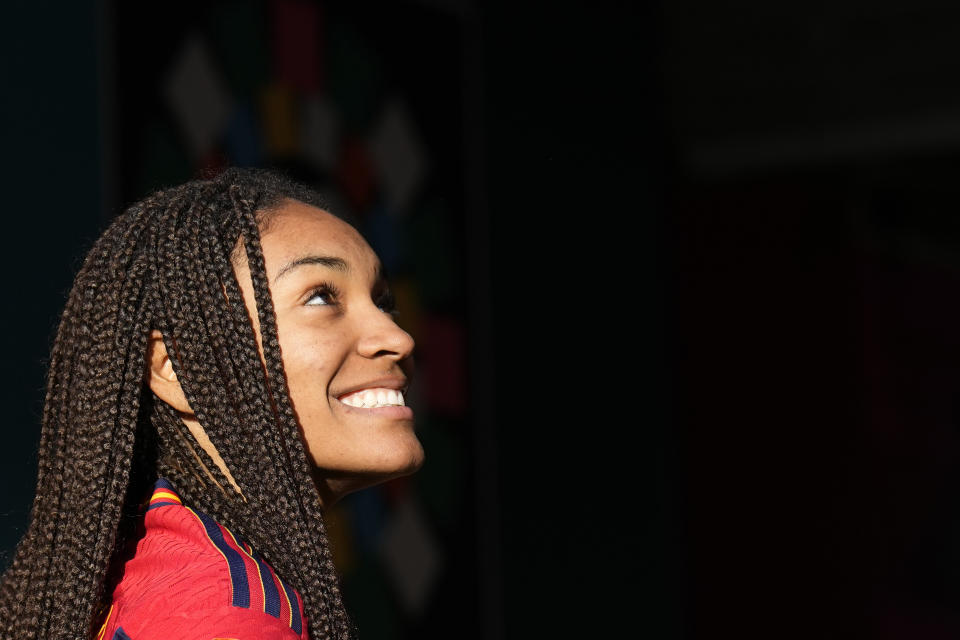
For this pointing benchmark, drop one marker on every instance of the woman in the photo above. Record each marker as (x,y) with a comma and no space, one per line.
(227,367)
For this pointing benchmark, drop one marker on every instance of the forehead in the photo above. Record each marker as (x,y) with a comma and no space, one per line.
(297,229)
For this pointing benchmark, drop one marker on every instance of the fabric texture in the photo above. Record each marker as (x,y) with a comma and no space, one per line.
(191,578)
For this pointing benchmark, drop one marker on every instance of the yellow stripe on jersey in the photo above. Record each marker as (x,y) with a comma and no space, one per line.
(215,546)
(104,627)
(165,495)
(287,598)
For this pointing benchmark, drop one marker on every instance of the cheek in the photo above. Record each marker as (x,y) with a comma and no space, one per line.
(311,359)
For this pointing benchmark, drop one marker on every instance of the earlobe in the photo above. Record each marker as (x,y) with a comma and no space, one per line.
(160,375)
(158,360)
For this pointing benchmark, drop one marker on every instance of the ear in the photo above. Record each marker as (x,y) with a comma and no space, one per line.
(161,377)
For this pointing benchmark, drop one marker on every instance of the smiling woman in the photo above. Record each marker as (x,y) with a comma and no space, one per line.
(227,367)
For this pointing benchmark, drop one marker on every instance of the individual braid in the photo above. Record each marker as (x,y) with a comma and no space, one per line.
(325,579)
(165,264)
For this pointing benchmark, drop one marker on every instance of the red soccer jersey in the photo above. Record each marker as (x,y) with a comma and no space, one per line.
(191,578)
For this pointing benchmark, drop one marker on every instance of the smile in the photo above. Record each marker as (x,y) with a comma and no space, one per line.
(373,398)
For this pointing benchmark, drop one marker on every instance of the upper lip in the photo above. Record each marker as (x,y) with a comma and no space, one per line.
(398,383)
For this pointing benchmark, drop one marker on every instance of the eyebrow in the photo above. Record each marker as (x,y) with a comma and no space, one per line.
(327,261)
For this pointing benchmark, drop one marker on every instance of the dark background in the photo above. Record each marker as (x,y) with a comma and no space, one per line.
(707,258)
(551,493)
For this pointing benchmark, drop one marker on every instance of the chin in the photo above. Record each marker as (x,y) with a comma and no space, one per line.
(394,463)
(399,466)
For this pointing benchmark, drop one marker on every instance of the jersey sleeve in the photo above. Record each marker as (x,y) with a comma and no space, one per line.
(190,578)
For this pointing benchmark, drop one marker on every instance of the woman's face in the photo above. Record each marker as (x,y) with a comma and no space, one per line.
(347,362)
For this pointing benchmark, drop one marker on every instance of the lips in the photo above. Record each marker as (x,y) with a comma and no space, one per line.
(382,392)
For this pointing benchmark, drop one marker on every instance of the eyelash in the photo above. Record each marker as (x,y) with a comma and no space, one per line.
(386,302)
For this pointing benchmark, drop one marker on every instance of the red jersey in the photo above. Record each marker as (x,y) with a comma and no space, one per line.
(191,578)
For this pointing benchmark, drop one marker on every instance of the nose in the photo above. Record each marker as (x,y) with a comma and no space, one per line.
(382,337)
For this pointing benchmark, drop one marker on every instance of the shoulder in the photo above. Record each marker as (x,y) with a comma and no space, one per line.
(191,577)
(194,623)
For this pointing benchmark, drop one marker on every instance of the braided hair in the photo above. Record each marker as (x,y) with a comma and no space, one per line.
(165,264)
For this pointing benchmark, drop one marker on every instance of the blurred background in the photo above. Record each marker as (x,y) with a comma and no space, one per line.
(493,155)
(683,279)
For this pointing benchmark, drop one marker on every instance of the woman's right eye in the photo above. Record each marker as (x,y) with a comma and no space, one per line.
(387,303)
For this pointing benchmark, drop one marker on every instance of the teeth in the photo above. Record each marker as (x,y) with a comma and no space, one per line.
(372,398)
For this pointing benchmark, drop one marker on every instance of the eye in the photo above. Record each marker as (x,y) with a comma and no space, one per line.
(326,293)
(387,303)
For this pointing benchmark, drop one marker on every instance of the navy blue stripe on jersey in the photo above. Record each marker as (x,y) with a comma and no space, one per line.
(162,504)
(271,597)
(296,622)
(238,572)
(163,483)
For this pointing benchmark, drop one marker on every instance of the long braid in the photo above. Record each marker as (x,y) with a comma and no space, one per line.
(166,264)
(323,581)
(88,428)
